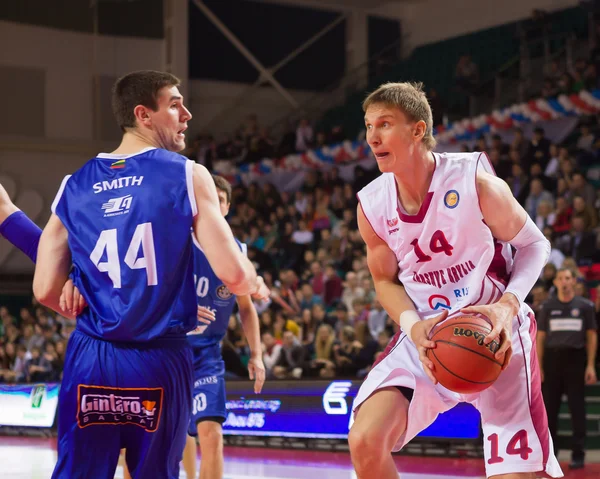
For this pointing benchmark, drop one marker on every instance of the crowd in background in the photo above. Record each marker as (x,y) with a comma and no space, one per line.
(323,319)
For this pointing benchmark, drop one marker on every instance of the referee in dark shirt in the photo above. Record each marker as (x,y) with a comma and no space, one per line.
(566,347)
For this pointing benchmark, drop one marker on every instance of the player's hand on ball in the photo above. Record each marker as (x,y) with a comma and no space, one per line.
(256,371)
(262,291)
(71,301)
(501,315)
(205,315)
(420,333)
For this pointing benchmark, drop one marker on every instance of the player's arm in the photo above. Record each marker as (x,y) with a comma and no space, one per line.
(383,266)
(216,239)
(17,228)
(53,264)
(509,222)
(249,319)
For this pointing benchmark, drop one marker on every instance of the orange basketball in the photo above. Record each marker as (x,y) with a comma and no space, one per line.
(462,362)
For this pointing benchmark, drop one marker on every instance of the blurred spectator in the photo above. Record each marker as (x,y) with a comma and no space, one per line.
(271,352)
(291,359)
(582,246)
(537,195)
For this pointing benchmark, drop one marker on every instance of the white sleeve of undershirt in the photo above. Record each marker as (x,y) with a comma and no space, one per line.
(533,251)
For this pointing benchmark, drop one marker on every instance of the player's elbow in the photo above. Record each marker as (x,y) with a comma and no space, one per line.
(237,279)
(42,291)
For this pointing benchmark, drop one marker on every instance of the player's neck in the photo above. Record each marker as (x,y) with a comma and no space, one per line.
(565,297)
(133,142)
(414,180)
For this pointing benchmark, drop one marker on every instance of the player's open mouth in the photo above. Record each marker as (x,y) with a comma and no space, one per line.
(382,155)
(181,134)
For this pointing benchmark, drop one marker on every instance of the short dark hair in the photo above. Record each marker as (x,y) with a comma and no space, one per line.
(223,185)
(563,269)
(138,88)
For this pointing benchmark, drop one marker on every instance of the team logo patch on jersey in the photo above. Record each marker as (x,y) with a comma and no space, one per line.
(392,223)
(103,405)
(438,301)
(223,292)
(575,312)
(451,199)
(117,206)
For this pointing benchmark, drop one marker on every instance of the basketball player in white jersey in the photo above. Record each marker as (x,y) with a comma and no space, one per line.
(439,230)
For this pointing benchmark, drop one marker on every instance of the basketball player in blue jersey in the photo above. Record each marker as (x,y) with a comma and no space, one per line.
(122,222)
(215,305)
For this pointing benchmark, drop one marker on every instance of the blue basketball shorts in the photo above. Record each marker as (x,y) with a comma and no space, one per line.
(115,396)
(208,399)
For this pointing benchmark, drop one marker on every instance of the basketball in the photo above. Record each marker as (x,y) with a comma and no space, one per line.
(463,363)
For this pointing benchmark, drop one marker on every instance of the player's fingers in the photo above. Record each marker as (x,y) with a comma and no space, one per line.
(76,296)
(68,292)
(204,320)
(259,383)
(440,318)
(428,344)
(494,334)
(206,311)
(475,310)
(505,345)
(507,359)
(82,302)
(61,301)
(424,359)
(251,372)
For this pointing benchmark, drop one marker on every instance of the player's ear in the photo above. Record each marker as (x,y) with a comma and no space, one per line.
(419,130)
(142,115)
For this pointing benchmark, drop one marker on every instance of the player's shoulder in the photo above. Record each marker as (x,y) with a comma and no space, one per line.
(459,159)
(585,303)
(166,155)
(377,185)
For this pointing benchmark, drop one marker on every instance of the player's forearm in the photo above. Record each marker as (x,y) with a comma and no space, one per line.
(393,298)
(591,346)
(250,324)
(53,265)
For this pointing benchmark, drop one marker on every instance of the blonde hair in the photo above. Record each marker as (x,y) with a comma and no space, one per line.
(323,348)
(411,100)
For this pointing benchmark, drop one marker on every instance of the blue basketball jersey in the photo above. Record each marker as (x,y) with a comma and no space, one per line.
(129,220)
(213,294)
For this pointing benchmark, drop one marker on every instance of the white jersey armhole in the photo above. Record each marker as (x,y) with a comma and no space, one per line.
(59,194)
(189,181)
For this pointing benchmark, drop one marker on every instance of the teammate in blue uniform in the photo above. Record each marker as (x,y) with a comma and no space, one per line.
(122,222)
(215,305)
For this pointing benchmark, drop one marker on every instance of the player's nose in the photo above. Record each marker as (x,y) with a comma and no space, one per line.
(373,139)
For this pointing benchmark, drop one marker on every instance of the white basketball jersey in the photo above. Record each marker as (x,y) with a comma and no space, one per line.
(447,256)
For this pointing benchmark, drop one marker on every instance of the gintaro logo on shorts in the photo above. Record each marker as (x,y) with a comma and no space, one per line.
(98,405)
